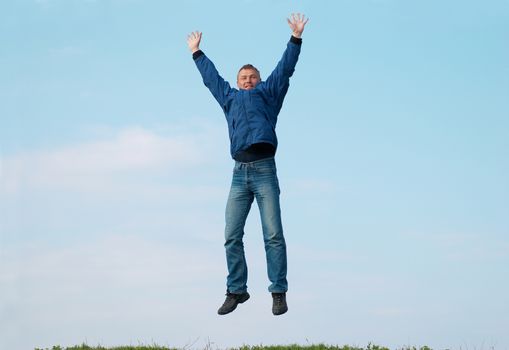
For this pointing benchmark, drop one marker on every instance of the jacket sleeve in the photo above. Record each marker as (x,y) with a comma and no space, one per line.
(212,80)
(279,80)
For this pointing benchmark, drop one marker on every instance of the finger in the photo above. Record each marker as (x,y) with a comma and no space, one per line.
(291,24)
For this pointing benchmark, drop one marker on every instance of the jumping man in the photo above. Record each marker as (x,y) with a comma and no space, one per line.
(251,113)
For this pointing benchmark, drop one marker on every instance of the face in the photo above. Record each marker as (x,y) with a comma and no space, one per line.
(247,79)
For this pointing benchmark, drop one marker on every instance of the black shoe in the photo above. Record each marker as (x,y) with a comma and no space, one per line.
(279,306)
(231,302)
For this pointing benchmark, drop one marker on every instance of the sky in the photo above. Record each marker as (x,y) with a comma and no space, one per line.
(393,162)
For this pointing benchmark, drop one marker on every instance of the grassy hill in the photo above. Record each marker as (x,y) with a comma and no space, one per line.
(245,347)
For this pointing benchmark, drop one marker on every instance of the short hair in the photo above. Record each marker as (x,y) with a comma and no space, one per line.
(249,66)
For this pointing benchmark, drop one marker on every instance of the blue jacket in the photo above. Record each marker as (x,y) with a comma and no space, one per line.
(251,114)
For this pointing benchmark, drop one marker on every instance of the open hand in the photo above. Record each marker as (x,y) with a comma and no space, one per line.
(193,41)
(297,22)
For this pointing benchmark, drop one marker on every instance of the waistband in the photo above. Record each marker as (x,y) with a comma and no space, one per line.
(256,162)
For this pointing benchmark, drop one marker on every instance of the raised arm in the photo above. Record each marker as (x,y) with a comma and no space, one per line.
(278,81)
(211,78)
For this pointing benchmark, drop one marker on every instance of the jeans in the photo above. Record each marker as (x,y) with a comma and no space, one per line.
(255,179)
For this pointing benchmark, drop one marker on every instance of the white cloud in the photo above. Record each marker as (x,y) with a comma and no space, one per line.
(130,180)
(112,283)
(103,164)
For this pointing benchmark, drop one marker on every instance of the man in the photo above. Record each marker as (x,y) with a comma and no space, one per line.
(251,113)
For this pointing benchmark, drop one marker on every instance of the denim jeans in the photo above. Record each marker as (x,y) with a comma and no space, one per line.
(258,180)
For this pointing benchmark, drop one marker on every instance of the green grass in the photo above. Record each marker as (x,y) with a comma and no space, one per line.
(245,347)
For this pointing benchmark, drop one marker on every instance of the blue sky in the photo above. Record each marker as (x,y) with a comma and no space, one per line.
(115,168)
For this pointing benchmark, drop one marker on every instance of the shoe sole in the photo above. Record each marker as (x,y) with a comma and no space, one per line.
(280,313)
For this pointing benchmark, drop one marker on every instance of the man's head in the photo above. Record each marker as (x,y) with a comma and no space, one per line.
(248,77)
